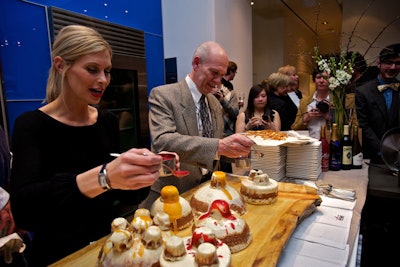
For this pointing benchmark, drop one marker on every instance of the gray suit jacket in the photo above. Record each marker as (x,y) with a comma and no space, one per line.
(173,127)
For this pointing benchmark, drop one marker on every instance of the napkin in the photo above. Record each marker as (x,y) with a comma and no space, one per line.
(303,253)
(327,226)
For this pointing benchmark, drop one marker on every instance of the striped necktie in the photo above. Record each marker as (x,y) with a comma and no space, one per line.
(207,130)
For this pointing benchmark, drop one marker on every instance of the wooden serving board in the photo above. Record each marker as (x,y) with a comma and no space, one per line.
(271,226)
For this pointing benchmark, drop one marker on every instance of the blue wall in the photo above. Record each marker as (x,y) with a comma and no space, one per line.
(25,46)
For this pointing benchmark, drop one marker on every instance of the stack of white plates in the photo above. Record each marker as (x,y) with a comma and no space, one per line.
(273,162)
(304,161)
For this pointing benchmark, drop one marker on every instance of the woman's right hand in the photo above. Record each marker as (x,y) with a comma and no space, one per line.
(134,169)
(313,113)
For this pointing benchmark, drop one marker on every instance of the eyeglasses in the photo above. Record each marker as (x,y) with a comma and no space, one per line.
(390,63)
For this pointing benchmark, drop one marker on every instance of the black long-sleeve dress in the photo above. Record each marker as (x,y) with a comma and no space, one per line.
(286,108)
(45,197)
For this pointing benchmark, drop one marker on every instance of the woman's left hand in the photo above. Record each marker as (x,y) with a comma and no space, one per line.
(269,125)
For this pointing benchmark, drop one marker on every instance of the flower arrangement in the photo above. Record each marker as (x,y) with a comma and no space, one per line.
(338,71)
(339,68)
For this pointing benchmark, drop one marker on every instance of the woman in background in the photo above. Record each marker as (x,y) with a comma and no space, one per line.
(258,115)
(278,85)
(62,172)
(293,90)
(314,109)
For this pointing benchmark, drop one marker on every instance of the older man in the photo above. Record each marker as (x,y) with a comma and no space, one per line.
(377,102)
(179,123)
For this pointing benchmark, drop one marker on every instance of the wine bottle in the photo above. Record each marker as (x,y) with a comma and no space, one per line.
(347,156)
(357,151)
(335,158)
(325,150)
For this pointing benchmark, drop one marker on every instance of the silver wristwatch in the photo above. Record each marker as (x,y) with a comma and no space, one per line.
(103,178)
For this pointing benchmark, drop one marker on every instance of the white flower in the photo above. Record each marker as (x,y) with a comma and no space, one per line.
(339,69)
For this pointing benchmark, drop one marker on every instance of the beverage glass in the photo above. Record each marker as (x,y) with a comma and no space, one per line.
(241,99)
(168,164)
(215,90)
(243,162)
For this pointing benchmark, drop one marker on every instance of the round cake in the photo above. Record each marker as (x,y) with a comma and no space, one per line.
(171,211)
(123,249)
(231,230)
(217,189)
(201,249)
(259,189)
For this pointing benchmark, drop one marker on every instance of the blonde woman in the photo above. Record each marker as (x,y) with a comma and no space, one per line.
(280,101)
(62,172)
(293,90)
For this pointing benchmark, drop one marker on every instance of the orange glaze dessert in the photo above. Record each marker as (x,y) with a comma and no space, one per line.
(141,221)
(171,211)
(126,248)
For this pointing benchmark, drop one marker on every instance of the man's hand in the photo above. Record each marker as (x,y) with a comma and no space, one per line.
(234,146)
(10,247)
(7,225)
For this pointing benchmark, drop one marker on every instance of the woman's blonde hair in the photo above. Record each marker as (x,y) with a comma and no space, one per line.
(277,79)
(71,43)
(287,69)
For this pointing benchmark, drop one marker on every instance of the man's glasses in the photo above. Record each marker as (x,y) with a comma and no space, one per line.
(390,63)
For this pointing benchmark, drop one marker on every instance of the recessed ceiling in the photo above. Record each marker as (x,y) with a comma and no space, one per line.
(322,17)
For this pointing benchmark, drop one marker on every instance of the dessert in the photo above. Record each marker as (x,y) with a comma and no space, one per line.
(119,223)
(230,230)
(122,248)
(201,249)
(206,255)
(174,250)
(259,189)
(201,235)
(141,221)
(217,189)
(171,211)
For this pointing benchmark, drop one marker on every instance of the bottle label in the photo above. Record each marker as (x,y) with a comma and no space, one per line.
(347,155)
(325,162)
(358,159)
(335,163)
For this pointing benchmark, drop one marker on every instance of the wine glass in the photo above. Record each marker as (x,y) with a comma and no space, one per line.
(241,99)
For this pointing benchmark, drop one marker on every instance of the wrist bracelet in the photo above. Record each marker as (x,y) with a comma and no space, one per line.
(104,182)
